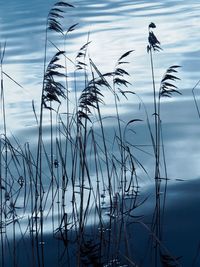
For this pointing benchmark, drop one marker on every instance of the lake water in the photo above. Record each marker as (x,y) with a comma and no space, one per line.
(114,27)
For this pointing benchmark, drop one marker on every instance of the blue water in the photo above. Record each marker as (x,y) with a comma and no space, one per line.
(114,27)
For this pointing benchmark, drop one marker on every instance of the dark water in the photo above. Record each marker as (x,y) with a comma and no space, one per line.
(181,234)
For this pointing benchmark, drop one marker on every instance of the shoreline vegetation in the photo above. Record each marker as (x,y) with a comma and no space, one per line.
(79,200)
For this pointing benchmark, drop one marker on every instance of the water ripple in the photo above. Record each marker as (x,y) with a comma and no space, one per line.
(115,27)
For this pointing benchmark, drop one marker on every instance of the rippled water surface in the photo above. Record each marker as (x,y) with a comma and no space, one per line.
(115,27)
(112,27)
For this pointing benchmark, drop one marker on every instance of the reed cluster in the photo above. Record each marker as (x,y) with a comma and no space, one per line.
(82,190)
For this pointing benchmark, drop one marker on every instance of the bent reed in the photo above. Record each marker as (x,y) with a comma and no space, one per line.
(77,199)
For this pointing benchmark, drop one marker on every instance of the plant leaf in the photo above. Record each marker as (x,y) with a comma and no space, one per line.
(131,121)
(125,55)
(72,28)
(61,3)
(152,25)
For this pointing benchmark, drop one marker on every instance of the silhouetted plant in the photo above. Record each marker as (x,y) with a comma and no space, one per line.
(56,13)
(90,169)
(90,254)
(53,89)
(167,88)
(154,44)
(169,261)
